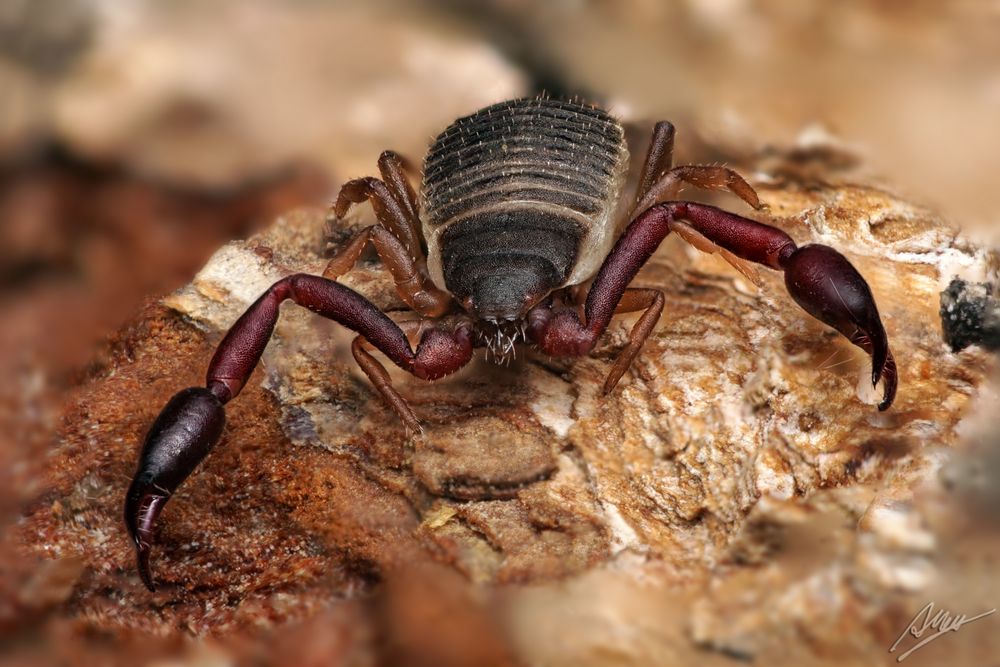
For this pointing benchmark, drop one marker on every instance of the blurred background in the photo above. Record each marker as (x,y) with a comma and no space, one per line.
(137,137)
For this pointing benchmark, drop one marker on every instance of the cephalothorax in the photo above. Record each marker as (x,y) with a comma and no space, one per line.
(519,210)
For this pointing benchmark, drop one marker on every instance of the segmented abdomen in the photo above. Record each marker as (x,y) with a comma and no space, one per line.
(546,151)
(510,178)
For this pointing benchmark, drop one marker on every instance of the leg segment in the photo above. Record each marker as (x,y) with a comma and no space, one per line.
(378,376)
(659,157)
(380,379)
(658,182)
(412,284)
(390,212)
(192,421)
(633,299)
(392,167)
(650,301)
(818,278)
(396,238)
(439,353)
(706,177)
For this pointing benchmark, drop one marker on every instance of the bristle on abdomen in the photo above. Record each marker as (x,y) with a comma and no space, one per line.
(531,150)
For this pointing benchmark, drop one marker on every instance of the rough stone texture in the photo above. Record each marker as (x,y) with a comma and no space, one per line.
(737,497)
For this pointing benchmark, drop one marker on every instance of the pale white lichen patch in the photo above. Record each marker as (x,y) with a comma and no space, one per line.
(866,392)
(623,536)
(774,478)
(232,279)
(553,404)
(893,571)
(899,526)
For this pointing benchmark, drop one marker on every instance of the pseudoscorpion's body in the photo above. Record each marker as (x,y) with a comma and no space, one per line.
(518,210)
(518,199)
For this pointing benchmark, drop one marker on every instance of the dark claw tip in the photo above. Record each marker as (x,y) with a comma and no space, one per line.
(891,378)
(142,507)
(142,565)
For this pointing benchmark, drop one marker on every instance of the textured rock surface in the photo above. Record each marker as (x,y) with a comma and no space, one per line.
(737,497)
